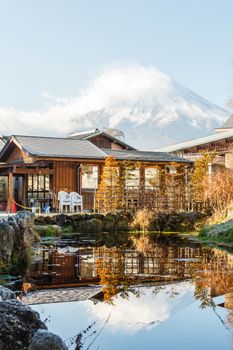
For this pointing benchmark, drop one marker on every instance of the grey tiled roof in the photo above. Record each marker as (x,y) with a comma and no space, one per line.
(197,142)
(89,134)
(145,156)
(2,143)
(85,135)
(59,147)
(53,147)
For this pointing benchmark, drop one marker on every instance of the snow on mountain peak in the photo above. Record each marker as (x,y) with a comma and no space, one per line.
(147,105)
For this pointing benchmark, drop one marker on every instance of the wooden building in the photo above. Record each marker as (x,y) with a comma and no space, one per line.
(34,169)
(101,139)
(220,144)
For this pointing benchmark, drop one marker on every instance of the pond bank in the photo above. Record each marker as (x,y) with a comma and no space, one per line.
(220,234)
(16,237)
(119,222)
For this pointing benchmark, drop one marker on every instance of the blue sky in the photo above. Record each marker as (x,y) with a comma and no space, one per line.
(56,46)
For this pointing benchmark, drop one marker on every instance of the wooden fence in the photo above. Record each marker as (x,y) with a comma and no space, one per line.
(171,199)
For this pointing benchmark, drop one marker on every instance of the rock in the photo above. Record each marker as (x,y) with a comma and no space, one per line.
(90,226)
(6,294)
(44,340)
(7,234)
(175,222)
(18,325)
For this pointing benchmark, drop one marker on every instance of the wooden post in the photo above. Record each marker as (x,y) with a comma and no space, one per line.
(24,189)
(10,190)
(141,187)
(162,200)
(100,172)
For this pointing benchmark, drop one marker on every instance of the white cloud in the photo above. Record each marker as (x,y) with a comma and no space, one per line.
(116,87)
(139,100)
(146,311)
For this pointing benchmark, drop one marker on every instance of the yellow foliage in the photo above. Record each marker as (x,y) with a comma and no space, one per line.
(199,175)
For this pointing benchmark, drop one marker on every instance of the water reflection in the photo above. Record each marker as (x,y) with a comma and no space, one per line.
(153,259)
(144,307)
(151,286)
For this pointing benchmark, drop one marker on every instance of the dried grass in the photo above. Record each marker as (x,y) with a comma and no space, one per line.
(142,220)
(218,191)
(143,244)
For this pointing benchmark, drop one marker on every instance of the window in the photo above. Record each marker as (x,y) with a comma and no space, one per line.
(133,178)
(3,188)
(170,169)
(151,177)
(38,186)
(89,176)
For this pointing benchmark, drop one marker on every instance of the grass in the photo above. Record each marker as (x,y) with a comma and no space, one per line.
(48,231)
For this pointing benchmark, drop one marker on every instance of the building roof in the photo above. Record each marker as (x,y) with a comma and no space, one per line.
(144,156)
(3,140)
(197,142)
(2,143)
(84,134)
(228,123)
(53,147)
(87,135)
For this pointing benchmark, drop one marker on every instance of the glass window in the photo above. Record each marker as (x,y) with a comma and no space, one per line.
(171,169)
(89,176)
(41,183)
(47,182)
(3,188)
(30,183)
(151,177)
(35,182)
(38,186)
(133,178)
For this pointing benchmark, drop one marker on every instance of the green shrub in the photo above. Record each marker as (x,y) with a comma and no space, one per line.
(68,229)
(49,231)
(90,226)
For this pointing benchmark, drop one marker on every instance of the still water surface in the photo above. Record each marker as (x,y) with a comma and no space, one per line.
(159,294)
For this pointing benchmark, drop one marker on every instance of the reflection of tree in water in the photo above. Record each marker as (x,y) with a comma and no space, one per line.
(121,269)
(215,276)
(110,268)
(216,279)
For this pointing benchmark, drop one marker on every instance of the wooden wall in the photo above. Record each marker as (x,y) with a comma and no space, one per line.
(65,177)
(18,155)
(105,142)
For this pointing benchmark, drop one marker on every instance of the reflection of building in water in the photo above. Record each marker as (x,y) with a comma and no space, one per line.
(79,265)
(155,263)
(215,278)
(163,262)
(120,268)
(64,266)
(211,268)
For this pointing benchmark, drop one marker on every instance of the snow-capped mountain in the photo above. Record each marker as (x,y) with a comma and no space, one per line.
(147,105)
(162,112)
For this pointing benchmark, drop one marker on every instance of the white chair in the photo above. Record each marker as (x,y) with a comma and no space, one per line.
(64,201)
(76,202)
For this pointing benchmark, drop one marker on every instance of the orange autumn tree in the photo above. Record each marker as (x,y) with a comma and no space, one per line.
(111,271)
(110,191)
(198,176)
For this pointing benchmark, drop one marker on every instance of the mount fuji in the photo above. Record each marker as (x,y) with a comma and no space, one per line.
(150,108)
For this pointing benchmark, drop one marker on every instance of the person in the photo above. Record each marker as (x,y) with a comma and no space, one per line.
(46,209)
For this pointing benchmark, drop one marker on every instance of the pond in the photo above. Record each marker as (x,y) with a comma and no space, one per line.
(136,292)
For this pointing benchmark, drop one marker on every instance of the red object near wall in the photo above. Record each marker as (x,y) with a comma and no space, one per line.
(13,208)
